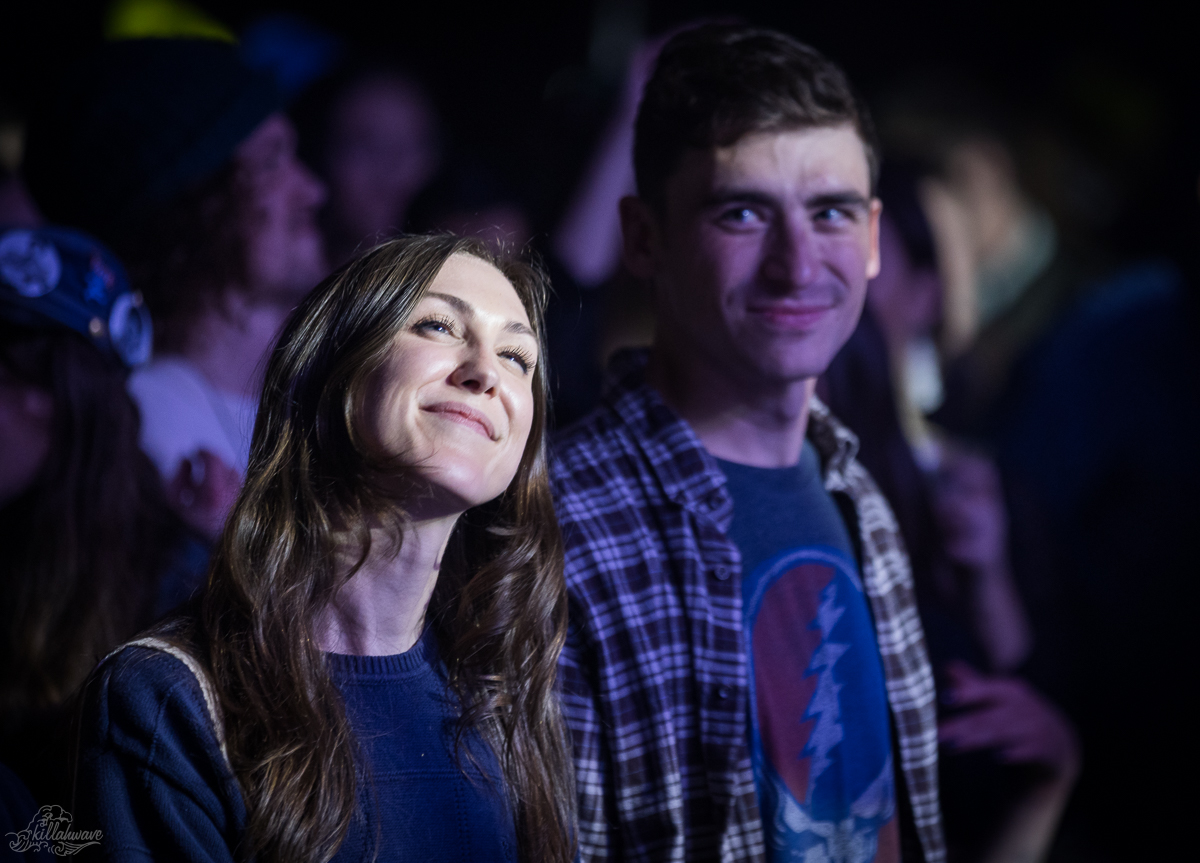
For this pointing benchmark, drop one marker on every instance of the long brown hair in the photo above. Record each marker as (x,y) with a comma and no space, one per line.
(499,608)
(84,546)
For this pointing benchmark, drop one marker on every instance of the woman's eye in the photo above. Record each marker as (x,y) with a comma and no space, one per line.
(435,325)
(520,359)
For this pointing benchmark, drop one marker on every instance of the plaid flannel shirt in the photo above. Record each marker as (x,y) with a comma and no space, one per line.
(654,674)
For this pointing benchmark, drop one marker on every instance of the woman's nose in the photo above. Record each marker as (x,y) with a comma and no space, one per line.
(476,373)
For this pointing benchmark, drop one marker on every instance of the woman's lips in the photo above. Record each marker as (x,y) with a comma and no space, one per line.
(465,414)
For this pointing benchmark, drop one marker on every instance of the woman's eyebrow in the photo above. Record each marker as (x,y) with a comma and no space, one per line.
(460,305)
(468,311)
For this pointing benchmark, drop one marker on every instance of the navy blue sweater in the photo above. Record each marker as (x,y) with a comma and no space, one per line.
(152,777)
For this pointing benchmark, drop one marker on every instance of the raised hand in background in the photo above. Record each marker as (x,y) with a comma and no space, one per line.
(203,491)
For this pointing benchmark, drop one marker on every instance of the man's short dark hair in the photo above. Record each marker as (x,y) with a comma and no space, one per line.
(716,83)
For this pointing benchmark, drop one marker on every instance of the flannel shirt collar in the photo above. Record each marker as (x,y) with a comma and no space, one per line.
(686,471)
(689,475)
(835,444)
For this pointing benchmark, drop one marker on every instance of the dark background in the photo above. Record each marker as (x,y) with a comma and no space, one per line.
(527,86)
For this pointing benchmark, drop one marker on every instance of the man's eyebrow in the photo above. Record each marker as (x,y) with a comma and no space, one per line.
(468,311)
(848,198)
(737,196)
(838,199)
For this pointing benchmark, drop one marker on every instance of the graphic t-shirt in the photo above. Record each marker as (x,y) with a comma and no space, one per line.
(820,736)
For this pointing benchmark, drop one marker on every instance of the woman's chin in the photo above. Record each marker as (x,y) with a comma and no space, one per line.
(449,492)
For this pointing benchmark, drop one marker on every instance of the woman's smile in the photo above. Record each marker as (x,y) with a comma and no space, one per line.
(457,412)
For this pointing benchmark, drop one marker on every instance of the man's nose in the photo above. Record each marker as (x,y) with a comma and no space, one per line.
(476,372)
(793,255)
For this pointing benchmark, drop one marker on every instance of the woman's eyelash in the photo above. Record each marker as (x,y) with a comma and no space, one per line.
(523,358)
(435,320)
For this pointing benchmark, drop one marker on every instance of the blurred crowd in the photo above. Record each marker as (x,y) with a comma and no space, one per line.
(1025,397)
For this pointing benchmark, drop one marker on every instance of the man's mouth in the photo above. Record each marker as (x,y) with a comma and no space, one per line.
(790,316)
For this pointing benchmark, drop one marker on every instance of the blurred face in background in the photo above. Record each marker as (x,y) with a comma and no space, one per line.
(382,152)
(26,414)
(284,248)
(904,298)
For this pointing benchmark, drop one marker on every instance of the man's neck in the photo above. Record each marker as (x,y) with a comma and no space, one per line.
(228,346)
(737,418)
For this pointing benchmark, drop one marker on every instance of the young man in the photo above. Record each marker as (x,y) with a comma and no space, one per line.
(745,676)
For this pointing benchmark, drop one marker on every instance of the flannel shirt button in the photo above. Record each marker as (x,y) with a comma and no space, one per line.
(712,501)
(723,692)
(721,573)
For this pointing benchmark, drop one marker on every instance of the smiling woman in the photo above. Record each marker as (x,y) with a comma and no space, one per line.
(369,674)
(454,398)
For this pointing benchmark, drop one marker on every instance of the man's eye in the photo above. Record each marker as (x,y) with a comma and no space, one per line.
(740,216)
(834,216)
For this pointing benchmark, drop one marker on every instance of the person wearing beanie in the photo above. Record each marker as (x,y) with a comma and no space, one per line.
(179,156)
(91,552)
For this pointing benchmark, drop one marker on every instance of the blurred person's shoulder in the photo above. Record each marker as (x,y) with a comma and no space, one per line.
(1145,286)
(1127,323)
(168,380)
(182,412)
(597,441)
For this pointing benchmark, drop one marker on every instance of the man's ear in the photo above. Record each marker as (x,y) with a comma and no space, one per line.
(641,237)
(873,259)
